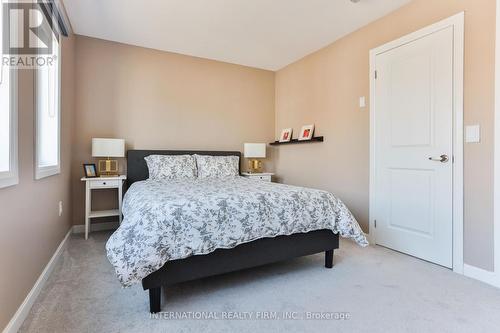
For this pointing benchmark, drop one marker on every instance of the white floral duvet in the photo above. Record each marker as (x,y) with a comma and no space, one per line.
(175,219)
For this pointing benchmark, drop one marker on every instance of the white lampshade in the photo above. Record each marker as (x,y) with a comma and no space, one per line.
(108,147)
(255,150)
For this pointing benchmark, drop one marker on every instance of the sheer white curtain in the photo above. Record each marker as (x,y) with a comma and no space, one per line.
(48,115)
(5,121)
(4,108)
(8,119)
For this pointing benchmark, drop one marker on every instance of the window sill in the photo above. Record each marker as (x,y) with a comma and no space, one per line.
(8,180)
(45,172)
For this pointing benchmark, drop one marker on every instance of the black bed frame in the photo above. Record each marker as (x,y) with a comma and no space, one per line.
(247,255)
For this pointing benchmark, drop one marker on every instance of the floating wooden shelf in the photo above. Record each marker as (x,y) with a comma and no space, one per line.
(293,141)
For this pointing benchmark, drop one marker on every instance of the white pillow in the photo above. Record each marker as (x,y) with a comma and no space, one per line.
(217,166)
(168,167)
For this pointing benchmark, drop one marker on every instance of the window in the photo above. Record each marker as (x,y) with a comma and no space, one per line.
(8,121)
(48,113)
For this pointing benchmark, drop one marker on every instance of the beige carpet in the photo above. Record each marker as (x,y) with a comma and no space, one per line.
(378,290)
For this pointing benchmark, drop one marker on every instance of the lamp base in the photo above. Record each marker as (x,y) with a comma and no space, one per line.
(254,166)
(108,168)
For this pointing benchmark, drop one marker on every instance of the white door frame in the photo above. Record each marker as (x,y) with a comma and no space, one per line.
(457,22)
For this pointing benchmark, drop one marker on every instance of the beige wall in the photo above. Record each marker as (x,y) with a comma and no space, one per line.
(160,100)
(324,88)
(31,226)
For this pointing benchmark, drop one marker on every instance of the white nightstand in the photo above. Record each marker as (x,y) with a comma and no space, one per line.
(266,176)
(100,183)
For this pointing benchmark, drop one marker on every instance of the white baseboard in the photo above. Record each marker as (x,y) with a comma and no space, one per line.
(482,275)
(24,309)
(80,228)
(470,271)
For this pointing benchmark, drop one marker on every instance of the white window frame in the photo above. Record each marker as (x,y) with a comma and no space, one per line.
(43,172)
(11,177)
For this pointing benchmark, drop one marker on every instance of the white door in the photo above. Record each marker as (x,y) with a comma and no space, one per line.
(414,146)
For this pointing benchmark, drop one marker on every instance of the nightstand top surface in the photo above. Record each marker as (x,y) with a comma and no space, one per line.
(122,177)
(257,174)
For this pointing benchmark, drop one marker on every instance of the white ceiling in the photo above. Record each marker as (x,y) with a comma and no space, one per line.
(268,34)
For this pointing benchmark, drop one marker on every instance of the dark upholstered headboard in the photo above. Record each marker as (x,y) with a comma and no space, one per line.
(137,168)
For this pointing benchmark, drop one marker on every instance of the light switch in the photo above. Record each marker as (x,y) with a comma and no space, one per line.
(362,102)
(472,134)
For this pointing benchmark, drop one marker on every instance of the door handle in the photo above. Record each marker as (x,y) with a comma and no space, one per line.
(442,159)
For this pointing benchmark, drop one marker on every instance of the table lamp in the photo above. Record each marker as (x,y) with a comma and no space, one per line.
(108,148)
(254,151)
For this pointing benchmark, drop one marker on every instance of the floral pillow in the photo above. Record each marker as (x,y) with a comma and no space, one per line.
(167,167)
(217,166)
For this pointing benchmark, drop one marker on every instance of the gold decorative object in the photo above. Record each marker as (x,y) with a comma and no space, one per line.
(108,168)
(254,166)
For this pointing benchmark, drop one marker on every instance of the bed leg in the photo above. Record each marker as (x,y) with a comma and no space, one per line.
(155,300)
(329,259)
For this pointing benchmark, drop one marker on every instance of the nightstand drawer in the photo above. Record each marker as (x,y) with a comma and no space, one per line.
(263,178)
(105,183)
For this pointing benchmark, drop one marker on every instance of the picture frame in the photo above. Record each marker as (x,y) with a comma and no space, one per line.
(306,133)
(286,135)
(90,170)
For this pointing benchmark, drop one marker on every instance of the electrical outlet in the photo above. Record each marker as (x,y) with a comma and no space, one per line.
(60,208)
(362,102)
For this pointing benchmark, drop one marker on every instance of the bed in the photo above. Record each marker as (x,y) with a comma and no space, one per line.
(181,230)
